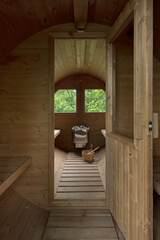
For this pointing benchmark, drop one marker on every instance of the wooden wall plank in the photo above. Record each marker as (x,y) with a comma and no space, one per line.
(50,117)
(110,89)
(24,90)
(143,43)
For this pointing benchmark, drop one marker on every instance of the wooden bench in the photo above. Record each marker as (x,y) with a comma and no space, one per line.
(10,169)
(20,219)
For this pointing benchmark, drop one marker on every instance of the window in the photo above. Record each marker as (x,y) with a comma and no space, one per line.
(65,101)
(95,100)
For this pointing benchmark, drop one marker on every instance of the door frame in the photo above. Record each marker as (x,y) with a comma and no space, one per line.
(51,125)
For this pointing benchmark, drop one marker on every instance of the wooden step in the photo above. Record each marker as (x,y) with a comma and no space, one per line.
(88,171)
(81,195)
(80,175)
(81,189)
(69,184)
(80,179)
(80,221)
(80,212)
(96,224)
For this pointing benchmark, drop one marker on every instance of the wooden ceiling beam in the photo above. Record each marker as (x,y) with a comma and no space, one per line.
(80,14)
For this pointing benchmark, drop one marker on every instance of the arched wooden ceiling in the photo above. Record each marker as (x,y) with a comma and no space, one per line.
(20,19)
(79,56)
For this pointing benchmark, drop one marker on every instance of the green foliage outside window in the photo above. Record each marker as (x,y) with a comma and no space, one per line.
(95,100)
(65,101)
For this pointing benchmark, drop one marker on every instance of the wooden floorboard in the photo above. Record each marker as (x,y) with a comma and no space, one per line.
(84,179)
(81,189)
(96,224)
(80,180)
(80,212)
(80,222)
(76,184)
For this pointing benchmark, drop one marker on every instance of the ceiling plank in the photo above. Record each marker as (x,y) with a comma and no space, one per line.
(80,14)
(80,52)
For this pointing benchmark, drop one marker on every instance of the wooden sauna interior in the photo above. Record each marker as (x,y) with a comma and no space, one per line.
(47,192)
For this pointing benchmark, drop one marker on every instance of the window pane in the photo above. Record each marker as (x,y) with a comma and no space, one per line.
(65,101)
(95,100)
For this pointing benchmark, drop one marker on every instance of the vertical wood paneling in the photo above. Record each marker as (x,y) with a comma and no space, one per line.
(51,125)
(24,98)
(143,54)
(24,114)
(134,178)
(122,186)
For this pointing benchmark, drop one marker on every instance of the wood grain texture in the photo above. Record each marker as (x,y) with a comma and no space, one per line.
(129,164)
(121,175)
(24,106)
(20,220)
(69,186)
(21,19)
(85,56)
(80,224)
(123,123)
(12,172)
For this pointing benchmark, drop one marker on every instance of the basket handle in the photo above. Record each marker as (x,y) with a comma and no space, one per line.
(93,151)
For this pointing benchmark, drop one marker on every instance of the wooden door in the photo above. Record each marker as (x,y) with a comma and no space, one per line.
(129,161)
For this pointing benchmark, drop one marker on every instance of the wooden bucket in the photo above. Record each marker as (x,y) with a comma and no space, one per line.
(87,157)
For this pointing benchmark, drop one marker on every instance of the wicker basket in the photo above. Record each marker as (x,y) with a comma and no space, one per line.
(87,157)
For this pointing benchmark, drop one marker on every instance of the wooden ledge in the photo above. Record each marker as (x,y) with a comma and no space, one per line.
(10,176)
(103,131)
(121,138)
(56,132)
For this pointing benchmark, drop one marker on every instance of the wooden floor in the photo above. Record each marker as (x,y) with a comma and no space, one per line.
(80,180)
(76,224)
(20,219)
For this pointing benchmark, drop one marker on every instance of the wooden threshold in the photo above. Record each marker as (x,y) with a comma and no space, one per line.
(80,224)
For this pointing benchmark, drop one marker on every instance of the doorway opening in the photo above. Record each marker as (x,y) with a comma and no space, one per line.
(75,64)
